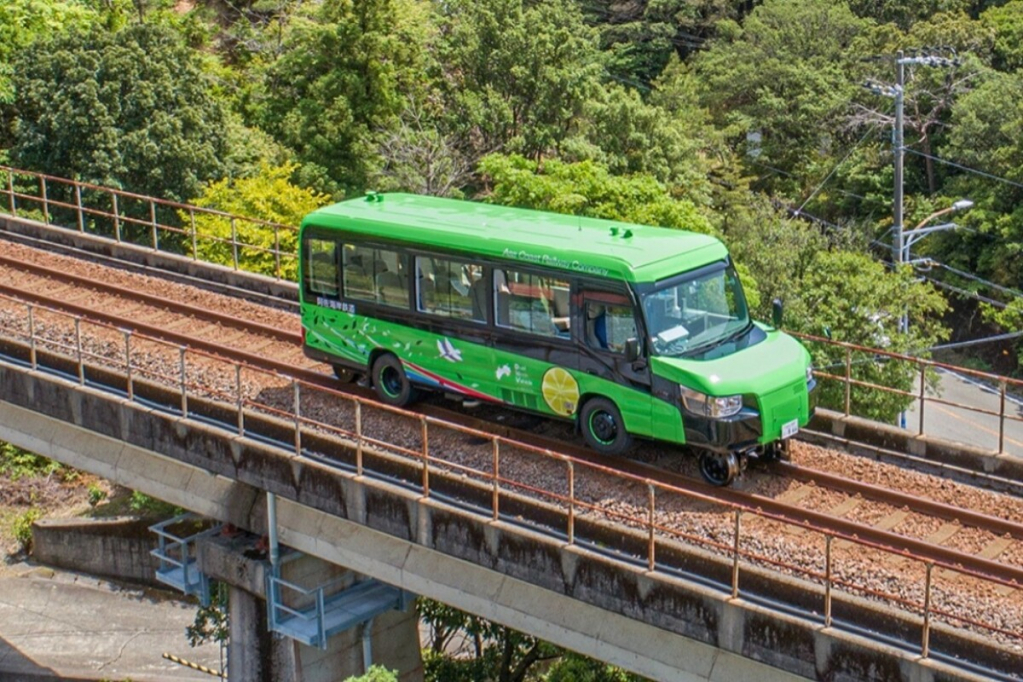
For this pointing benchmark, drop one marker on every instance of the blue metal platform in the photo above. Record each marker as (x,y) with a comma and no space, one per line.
(330,613)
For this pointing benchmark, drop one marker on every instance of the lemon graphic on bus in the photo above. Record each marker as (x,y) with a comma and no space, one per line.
(560,391)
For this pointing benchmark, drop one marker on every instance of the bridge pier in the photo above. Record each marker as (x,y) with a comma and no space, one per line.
(260,655)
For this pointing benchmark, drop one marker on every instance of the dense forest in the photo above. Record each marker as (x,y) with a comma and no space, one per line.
(748,120)
(745,119)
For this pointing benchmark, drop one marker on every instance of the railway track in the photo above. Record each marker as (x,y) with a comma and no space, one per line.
(982,538)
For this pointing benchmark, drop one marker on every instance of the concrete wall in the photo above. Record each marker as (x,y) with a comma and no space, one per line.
(111,548)
(662,627)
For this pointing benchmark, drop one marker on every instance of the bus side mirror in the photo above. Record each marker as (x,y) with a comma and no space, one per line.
(776,313)
(632,349)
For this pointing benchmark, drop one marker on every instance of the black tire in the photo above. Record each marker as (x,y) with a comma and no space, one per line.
(345,375)
(719,468)
(390,382)
(603,428)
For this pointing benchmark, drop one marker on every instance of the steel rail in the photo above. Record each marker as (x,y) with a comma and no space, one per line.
(762,506)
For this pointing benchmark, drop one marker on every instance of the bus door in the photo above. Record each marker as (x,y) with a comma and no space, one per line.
(603,321)
(533,348)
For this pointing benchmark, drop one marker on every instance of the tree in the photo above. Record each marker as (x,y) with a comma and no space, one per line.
(857,301)
(587,188)
(376,673)
(784,78)
(269,196)
(1006,22)
(339,83)
(22,22)
(517,73)
(131,110)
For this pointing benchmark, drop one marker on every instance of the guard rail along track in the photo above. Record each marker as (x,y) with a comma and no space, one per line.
(212,387)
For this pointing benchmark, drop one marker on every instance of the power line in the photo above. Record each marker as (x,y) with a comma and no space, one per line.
(968,275)
(965,168)
(845,158)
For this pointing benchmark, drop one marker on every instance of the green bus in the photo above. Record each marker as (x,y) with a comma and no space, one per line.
(626,330)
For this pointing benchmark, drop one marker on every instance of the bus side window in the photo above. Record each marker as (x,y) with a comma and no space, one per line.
(449,292)
(526,302)
(608,325)
(321,276)
(366,276)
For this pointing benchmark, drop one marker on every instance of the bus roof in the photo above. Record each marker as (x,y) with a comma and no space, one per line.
(635,253)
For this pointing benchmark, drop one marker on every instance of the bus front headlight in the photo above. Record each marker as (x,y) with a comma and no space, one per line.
(703,405)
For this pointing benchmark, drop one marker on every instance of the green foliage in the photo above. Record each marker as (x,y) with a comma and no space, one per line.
(338,83)
(22,527)
(133,109)
(96,494)
(1006,21)
(376,673)
(211,622)
(22,22)
(788,73)
(144,505)
(517,74)
(17,463)
(268,196)
(859,302)
(587,188)
(572,667)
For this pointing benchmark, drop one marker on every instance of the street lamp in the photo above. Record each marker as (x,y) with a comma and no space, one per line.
(910,237)
(906,239)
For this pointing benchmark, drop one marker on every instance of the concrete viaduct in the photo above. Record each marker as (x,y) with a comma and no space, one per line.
(662,627)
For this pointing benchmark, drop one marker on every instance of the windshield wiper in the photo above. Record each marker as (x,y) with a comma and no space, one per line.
(718,342)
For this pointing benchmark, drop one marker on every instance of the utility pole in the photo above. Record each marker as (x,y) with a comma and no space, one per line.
(900,154)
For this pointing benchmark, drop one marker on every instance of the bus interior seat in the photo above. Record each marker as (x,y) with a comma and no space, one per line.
(596,326)
(478,292)
(562,317)
(387,283)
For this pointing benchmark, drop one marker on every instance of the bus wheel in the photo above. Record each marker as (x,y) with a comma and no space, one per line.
(719,468)
(603,428)
(390,383)
(345,375)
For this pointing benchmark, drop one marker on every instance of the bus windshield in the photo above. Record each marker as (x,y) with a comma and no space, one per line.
(692,314)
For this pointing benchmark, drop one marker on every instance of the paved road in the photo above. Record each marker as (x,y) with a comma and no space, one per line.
(963,426)
(72,627)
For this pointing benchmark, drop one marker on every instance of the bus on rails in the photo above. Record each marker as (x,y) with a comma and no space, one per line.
(626,330)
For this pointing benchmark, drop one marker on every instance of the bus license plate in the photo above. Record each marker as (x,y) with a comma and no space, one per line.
(790,429)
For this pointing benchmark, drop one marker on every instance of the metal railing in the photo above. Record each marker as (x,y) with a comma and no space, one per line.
(248,244)
(856,356)
(107,212)
(569,495)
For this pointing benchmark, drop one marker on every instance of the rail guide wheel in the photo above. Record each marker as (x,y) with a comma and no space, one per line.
(719,468)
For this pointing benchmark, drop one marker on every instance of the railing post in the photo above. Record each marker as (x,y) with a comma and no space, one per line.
(571,502)
(184,384)
(46,199)
(78,203)
(152,222)
(426,458)
(234,243)
(78,348)
(827,581)
(358,437)
(1001,418)
(651,561)
(496,504)
(127,365)
(298,415)
(10,191)
(925,648)
(240,398)
(195,234)
(848,379)
(735,555)
(32,336)
(277,252)
(923,398)
(117,219)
